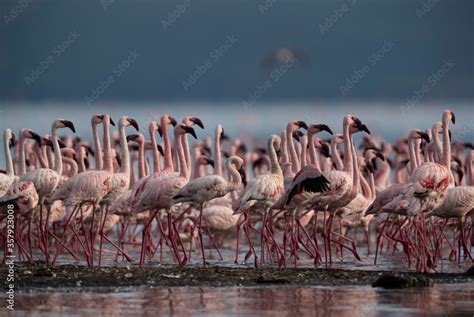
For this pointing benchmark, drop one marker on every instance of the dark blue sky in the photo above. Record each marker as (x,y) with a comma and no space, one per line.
(131,50)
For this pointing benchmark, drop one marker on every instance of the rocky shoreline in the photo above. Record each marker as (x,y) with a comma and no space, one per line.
(41,277)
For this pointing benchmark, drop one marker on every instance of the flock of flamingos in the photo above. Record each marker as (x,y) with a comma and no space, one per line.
(297,198)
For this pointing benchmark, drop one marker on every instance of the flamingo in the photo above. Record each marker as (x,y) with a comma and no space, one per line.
(202,189)
(263,191)
(159,192)
(6,180)
(343,185)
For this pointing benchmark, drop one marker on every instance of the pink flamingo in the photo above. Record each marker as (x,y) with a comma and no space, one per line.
(6,180)
(262,192)
(159,191)
(202,189)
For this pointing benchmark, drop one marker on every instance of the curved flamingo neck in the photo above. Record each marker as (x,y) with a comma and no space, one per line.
(234,175)
(274,165)
(40,155)
(155,153)
(183,170)
(81,157)
(446,145)
(291,148)
(167,145)
(373,192)
(197,169)
(367,192)
(336,157)
(355,168)
(125,167)
(411,155)
(438,146)
(416,148)
(141,159)
(108,158)
(99,156)
(21,156)
(73,168)
(8,156)
(284,148)
(304,146)
(58,162)
(312,150)
(217,153)
(348,160)
(187,152)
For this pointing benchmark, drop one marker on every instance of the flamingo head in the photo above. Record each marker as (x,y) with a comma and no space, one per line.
(193,121)
(322,146)
(154,126)
(62,123)
(127,121)
(357,126)
(448,115)
(295,125)
(9,135)
(274,141)
(417,134)
(316,128)
(182,129)
(297,135)
(168,119)
(27,133)
(99,118)
(139,138)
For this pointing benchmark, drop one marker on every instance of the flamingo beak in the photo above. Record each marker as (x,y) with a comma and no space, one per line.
(425,136)
(296,136)
(302,124)
(190,131)
(160,149)
(323,127)
(370,167)
(173,121)
(198,122)
(111,121)
(210,162)
(133,123)
(35,136)
(160,131)
(364,128)
(380,156)
(453,118)
(70,125)
(13,140)
(90,150)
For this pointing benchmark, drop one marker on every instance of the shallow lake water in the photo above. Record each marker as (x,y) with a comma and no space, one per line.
(439,300)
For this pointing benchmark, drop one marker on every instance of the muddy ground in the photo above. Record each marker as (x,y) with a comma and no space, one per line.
(40,276)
